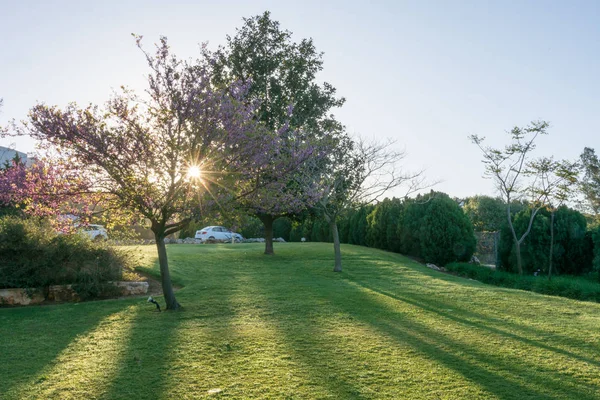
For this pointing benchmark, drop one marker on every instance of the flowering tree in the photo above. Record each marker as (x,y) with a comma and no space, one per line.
(45,189)
(167,156)
(287,188)
(291,103)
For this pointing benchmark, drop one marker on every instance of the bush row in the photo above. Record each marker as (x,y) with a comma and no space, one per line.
(573,249)
(578,288)
(34,255)
(431,227)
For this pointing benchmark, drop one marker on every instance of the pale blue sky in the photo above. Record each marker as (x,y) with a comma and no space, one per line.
(426,73)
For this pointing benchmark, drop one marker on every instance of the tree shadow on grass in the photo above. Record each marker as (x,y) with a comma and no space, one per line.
(33,338)
(178,354)
(481,322)
(390,281)
(144,366)
(496,373)
(304,341)
(511,374)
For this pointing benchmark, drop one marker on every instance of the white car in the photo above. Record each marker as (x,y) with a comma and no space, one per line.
(95,232)
(219,233)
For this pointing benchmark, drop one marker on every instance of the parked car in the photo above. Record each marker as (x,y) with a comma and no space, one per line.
(217,233)
(95,232)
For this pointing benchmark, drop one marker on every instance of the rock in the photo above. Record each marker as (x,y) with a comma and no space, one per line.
(179,241)
(22,297)
(433,266)
(62,293)
(279,239)
(132,288)
(475,260)
(254,240)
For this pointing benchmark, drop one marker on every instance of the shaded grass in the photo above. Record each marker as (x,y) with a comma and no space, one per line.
(287,327)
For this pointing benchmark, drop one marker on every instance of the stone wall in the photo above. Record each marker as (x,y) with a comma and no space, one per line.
(24,297)
(13,297)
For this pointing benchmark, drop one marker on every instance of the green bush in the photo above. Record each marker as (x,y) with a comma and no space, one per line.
(382,225)
(596,263)
(573,247)
(282,228)
(435,228)
(573,287)
(33,255)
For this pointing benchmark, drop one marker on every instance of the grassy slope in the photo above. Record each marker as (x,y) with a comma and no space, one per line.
(287,327)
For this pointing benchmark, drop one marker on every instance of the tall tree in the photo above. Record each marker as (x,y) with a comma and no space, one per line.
(166,156)
(282,74)
(519,177)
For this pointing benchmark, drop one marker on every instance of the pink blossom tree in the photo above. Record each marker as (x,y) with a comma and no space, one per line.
(290,102)
(169,155)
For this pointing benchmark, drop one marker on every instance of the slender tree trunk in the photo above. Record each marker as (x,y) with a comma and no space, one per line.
(515,240)
(267,221)
(551,245)
(165,276)
(519,262)
(336,246)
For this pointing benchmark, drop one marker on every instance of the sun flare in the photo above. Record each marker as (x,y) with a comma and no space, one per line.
(194,172)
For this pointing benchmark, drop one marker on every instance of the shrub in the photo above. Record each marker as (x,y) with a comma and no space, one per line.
(282,228)
(435,228)
(573,248)
(33,255)
(578,288)
(596,262)
(382,225)
(359,225)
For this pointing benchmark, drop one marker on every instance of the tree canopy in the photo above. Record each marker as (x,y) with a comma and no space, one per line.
(184,147)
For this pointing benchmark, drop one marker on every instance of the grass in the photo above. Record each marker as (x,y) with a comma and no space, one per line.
(287,327)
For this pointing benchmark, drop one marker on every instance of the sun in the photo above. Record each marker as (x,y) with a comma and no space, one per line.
(194,172)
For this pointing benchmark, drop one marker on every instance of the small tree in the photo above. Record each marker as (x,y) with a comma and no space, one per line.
(359,172)
(508,168)
(167,156)
(554,181)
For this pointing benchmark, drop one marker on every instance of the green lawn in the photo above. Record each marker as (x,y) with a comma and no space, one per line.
(285,326)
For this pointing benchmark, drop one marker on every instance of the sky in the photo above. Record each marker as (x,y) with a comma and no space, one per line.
(426,74)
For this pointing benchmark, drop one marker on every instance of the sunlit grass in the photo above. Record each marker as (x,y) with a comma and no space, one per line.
(287,327)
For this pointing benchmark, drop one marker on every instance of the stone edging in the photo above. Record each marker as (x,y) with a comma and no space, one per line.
(24,297)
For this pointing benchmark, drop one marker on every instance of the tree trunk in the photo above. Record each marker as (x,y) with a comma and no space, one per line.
(336,246)
(551,245)
(267,221)
(165,276)
(515,240)
(519,262)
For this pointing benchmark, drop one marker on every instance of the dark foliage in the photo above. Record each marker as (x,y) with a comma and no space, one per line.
(573,247)
(579,288)
(33,255)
